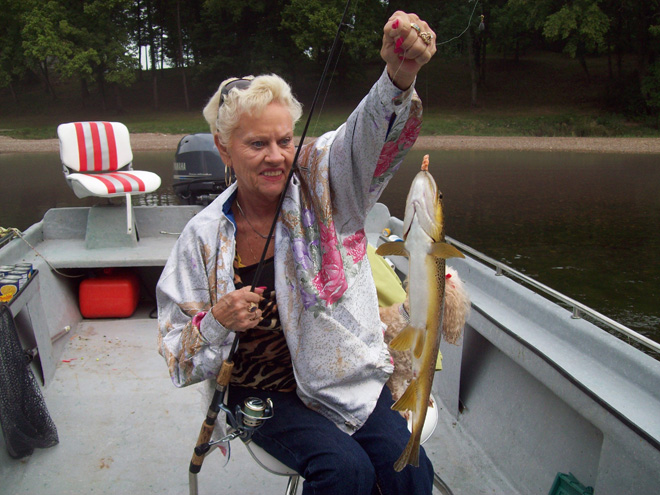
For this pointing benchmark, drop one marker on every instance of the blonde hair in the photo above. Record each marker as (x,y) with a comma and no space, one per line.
(223,116)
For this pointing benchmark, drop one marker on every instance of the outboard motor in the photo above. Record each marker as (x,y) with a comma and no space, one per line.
(199,172)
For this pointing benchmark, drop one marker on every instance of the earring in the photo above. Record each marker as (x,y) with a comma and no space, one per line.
(228,176)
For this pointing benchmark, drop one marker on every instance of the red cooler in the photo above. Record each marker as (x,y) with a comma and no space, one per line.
(111,295)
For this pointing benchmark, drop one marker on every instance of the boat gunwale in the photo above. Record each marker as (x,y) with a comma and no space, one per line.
(573,379)
(577,307)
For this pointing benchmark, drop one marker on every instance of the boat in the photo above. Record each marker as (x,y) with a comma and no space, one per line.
(537,395)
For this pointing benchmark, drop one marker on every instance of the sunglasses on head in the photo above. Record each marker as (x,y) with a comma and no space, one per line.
(241,84)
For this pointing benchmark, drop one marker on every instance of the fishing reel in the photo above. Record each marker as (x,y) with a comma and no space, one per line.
(244,421)
(251,416)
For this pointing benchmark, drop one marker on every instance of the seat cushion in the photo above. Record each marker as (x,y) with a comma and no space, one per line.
(94,146)
(112,184)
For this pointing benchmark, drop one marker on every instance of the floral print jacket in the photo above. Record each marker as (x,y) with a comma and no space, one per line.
(325,291)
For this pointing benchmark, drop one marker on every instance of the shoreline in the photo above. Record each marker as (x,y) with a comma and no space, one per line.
(169,142)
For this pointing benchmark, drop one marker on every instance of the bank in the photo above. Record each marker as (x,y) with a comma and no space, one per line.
(164,142)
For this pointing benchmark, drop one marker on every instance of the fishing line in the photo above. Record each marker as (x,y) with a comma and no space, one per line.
(19,234)
(465,30)
(334,69)
(327,90)
(403,59)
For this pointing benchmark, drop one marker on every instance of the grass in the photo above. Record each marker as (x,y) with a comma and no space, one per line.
(544,94)
(435,124)
(565,123)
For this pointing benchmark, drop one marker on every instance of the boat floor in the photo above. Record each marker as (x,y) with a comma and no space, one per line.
(124,428)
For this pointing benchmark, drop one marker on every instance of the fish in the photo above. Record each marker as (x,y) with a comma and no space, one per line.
(424,245)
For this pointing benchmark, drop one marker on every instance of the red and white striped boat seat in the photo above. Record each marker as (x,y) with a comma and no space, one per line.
(97,159)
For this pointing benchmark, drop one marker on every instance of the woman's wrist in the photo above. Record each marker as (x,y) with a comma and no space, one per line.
(402,81)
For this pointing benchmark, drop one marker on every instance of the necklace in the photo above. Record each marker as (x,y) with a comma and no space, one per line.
(248,222)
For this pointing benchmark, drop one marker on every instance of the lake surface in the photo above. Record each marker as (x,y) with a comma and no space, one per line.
(587,225)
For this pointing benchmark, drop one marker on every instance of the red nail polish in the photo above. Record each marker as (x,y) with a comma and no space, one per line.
(395,24)
(398,43)
(262,288)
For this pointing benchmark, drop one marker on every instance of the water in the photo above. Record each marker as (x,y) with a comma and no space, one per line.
(587,225)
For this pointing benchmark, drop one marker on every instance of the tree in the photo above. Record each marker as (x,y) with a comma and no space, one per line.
(100,52)
(651,90)
(43,43)
(236,38)
(651,81)
(12,63)
(313,26)
(582,26)
(462,30)
(87,40)
(510,28)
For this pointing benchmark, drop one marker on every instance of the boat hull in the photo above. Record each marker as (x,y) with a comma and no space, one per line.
(529,392)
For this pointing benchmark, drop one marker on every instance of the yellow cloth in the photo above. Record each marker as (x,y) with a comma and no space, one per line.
(388,285)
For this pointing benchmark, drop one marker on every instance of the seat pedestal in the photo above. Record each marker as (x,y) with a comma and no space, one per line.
(106,228)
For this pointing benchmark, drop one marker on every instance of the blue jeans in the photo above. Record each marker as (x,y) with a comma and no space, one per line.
(333,462)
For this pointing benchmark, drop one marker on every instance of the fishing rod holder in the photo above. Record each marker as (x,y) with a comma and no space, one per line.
(244,421)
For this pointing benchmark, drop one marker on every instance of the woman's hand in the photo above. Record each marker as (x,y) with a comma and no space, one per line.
(408,44)
(239,310)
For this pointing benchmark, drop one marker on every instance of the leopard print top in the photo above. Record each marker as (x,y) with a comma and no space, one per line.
(262,359)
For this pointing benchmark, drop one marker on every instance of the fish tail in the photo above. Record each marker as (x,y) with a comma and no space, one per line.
(410,454)
(404,340)
(408,401)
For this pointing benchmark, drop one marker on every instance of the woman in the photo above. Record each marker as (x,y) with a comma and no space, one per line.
(311,338)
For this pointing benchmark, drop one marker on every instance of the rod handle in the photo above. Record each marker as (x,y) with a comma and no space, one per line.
(225,374)
(204,437)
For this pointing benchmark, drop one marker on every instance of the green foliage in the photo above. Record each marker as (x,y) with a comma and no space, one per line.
(78,40)
(651,87)
(510,27)
(42,35)
(236,38)
(313,24)
(581,24)
(11,50)
(96,41)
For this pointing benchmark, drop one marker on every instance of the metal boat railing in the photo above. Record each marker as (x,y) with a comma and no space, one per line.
(578,309)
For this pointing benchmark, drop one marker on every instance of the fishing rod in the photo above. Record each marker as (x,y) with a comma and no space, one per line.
(245,421)
(294,166)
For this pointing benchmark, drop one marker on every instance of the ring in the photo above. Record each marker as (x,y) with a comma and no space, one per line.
(426,37)
(252,307)
(416,28)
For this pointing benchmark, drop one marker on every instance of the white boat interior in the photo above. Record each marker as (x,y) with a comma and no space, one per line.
(529,392)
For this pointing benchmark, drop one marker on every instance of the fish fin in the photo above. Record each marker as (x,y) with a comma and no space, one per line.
(410,454)
(404,340)
(419,346)
(444,251)
(408,401)
(395,248)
